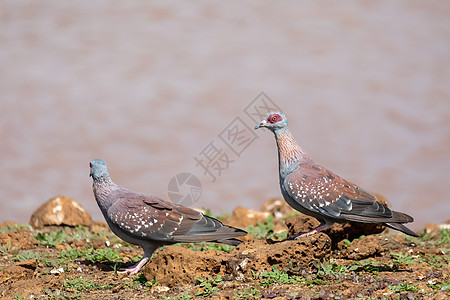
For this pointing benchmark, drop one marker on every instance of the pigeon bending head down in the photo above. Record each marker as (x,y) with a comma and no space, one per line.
(151,222)
(316,191)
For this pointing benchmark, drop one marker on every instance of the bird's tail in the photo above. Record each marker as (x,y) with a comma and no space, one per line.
(399,217)
(209,229)
(402,228)
(232,242)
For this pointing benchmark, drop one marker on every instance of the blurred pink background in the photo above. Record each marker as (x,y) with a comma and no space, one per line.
(147,86)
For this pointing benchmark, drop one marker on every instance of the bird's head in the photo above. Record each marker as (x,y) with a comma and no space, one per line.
(273,121)
(98,168)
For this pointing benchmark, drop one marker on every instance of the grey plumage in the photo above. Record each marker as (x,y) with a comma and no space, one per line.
(318,192)
(151,222)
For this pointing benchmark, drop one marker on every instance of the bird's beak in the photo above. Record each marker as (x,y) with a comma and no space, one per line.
(262,124)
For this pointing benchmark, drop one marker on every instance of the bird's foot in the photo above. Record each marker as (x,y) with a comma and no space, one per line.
(302,235)
(135,268)
(319,228)
(132,270)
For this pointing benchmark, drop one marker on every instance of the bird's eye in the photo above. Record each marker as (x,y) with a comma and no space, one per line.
(274,118)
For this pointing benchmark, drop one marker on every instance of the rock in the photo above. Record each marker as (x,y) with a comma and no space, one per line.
(60,210)
(360,249)
(244,217)
(256,256)
(339,231)
(278,208)
(175,265)
(301,223)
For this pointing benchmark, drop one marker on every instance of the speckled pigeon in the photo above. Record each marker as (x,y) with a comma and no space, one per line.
(318,192)
(151,222)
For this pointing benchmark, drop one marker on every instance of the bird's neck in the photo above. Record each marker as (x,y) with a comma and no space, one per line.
(289,152)
(103,186)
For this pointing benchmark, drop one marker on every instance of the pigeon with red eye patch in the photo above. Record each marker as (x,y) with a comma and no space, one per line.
(151,222)
(316,191)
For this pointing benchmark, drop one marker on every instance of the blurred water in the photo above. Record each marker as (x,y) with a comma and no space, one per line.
(147,87)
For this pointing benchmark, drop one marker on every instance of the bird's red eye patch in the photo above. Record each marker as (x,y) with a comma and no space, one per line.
(90,165)
(274,118)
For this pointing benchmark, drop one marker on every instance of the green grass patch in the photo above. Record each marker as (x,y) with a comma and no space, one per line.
(90,254)
(7,249)
(210,246)
(268,278)
(401,258)
(184,296)
(81,284)
(265,230)
(247,294)
(14,227)
(29,254)
(347,242)
(403,287)
(435,261)
(208,285)
(52,239)
(327,270)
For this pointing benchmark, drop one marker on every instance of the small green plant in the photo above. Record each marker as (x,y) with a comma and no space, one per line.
(105,254)
(81,284)
(184,296)
(401,258)
(14,227)
(59,295)
(265,230)
(70,254)
(210,246)
(29,254)
(315,281)
(326,270)
(209,286)
(444,238)
(20,297)
(90,254)
(444,286)
(374,267)
(52,239)
(5,249)
(83,233)
(141,280)
(403,287)
(249,294)
(435,261)
(433,238)
(346,243)
(275,276)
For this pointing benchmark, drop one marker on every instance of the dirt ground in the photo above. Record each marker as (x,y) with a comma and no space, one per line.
(82,263)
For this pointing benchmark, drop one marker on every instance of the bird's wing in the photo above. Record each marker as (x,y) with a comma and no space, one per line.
(149,217)
(320,191)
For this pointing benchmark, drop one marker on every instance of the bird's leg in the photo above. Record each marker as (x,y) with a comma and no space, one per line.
(322,226)
(148,251)
(135,268)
